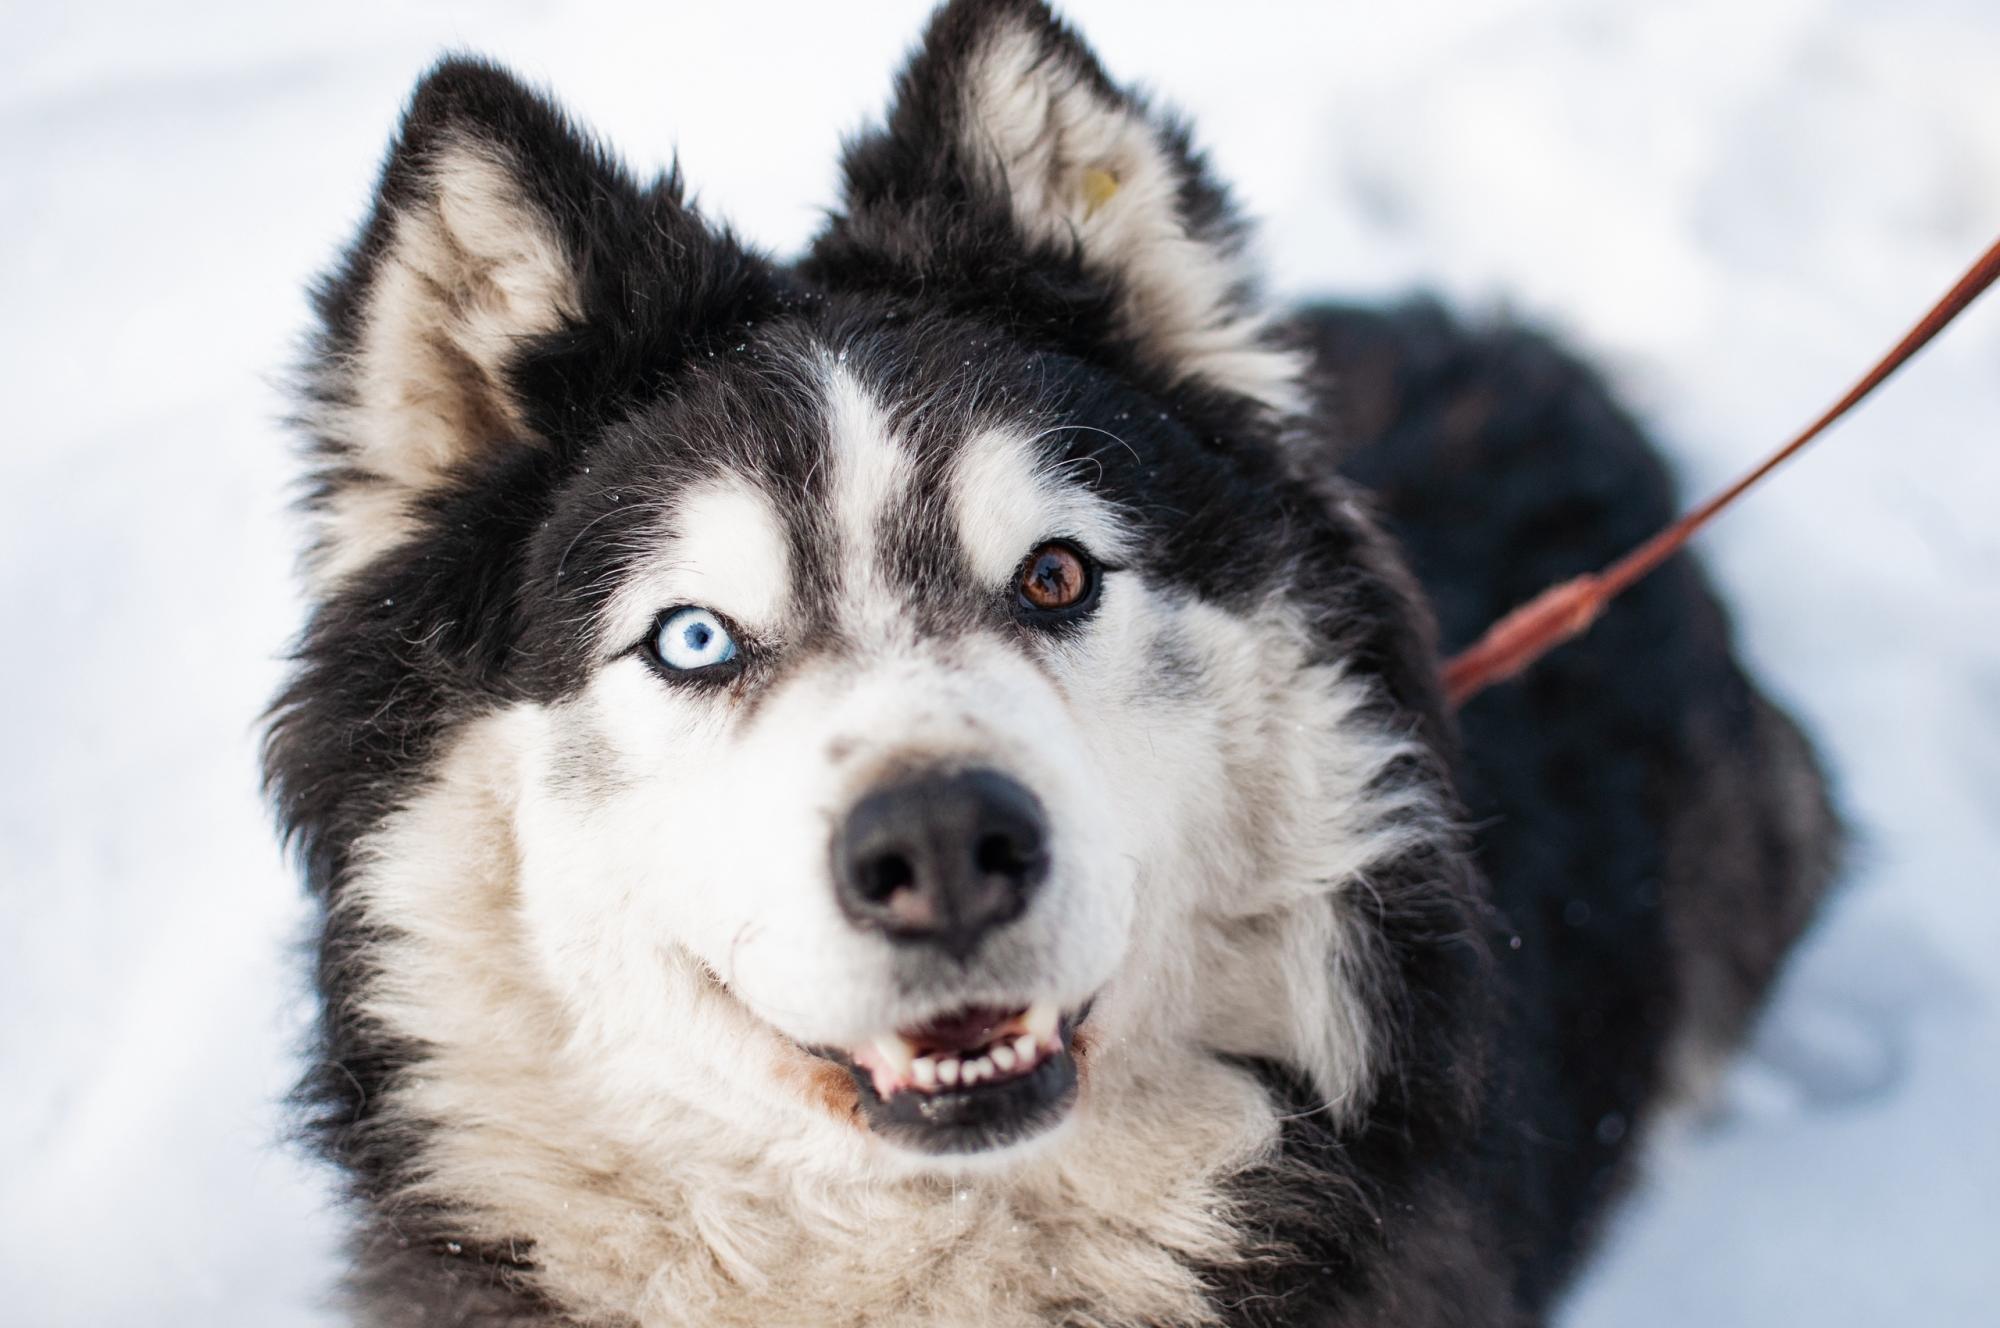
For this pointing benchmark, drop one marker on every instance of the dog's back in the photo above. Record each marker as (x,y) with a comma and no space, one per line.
(1655,832)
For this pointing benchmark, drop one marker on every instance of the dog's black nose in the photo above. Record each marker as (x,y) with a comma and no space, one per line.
(941,859)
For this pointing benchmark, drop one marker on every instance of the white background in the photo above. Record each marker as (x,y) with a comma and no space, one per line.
(1733,204)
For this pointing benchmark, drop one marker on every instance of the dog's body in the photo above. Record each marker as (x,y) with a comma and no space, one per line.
(910,788)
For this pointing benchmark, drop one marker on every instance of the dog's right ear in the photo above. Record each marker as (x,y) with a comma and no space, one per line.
(512,289)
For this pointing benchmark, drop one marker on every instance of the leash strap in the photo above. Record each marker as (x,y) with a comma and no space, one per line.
(1568,609)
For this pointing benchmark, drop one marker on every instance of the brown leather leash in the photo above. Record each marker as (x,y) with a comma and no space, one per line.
(1568,609)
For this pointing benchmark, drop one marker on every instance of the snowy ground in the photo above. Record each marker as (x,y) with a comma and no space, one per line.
(1736,205)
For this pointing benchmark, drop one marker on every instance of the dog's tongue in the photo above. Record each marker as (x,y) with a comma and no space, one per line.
(963,1030)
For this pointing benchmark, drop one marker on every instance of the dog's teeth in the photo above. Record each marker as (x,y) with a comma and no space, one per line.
(1041,1020)
(947,1070)
(979,1070)
(896,1053)
(1003,1057)
(1024,1049)
(925,1071)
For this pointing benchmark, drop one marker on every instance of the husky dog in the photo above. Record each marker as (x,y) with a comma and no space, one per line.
(909,786)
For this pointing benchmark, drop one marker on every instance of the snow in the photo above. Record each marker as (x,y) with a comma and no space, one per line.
(1735,207)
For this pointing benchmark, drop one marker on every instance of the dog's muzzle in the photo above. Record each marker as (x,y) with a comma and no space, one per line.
(941,861)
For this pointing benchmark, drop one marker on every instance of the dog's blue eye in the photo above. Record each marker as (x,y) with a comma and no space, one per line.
(692,638)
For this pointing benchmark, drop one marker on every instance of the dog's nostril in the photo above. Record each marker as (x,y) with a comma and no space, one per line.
(1002,855)
(886,875)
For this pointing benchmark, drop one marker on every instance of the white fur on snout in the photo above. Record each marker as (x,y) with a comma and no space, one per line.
(818,976)
(660,822)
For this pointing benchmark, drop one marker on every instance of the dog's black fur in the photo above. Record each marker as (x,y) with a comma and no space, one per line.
(1651,831)
(1648,833)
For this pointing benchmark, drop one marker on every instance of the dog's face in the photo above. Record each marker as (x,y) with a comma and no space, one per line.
(886,730)
(898,715)
(901,678)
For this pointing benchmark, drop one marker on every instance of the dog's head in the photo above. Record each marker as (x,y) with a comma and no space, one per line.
(893,688)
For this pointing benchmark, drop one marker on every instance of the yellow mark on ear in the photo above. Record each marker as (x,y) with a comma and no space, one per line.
(1098,187)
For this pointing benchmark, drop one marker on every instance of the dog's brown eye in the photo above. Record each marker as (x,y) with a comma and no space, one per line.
(1054,578)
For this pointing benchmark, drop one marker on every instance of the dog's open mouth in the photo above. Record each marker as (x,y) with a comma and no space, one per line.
(977,1078)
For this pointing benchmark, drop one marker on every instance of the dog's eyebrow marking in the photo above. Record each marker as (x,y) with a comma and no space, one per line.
(871,471)
(724,548)
(1007,496)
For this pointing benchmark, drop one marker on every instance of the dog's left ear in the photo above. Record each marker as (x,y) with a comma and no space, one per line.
(1012,175)
(513,290)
